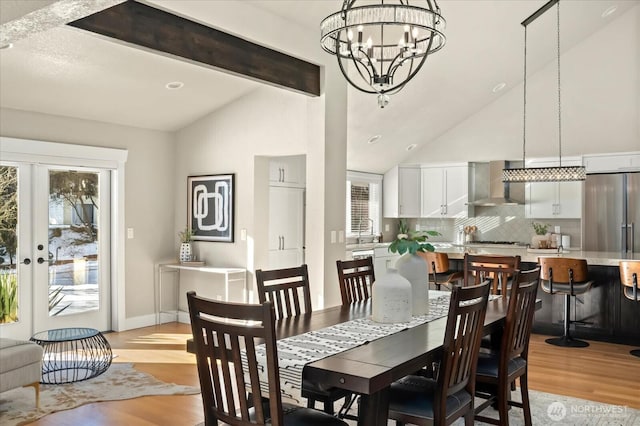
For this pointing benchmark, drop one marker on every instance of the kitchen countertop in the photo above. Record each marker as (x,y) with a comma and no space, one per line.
(456,251)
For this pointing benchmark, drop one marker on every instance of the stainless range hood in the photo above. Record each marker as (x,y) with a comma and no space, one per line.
(488,185)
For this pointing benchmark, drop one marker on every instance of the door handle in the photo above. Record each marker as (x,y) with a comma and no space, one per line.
(26,261)
(40,260)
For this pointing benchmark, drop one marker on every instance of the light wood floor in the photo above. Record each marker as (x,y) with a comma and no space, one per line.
(602,372)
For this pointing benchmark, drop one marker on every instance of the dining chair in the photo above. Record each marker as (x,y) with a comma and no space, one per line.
(439,271)
(288,290)
(629,278)
(425,401)
(355,278)
(497,370)
(221,330)
(498,269)
(568,277)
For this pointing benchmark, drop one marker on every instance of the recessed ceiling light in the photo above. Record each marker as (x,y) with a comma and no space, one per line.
(6,46)
(498,87)
(412,146)
(174,85)
(609,11)
(374,139)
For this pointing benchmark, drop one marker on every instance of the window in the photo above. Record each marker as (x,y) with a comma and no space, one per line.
(364,209)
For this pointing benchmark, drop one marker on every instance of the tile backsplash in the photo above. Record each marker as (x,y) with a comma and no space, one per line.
(499,223)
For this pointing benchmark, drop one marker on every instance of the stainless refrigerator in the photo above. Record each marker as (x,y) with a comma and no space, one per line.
(612,212)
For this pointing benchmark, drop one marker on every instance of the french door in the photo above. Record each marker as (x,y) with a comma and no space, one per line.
(56,268)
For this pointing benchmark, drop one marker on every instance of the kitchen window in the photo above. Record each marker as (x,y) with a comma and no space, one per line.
(364,207)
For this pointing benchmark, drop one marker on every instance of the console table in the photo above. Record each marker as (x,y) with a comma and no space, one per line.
(231,275)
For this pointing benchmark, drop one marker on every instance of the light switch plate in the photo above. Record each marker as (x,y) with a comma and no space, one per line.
(130,233)
(333,237)
(243,234)
(387,228)
(341,236)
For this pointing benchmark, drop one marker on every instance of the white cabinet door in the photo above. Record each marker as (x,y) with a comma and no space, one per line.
(553,200)
(289,170)
(432,192)
(401,192)
(456,192)
(409,191)
(286,213)
(445,191)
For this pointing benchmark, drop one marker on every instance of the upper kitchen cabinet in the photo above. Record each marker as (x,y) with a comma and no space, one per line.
(445,191)
(287,171)
(554,200)
(612,163)
(401,192)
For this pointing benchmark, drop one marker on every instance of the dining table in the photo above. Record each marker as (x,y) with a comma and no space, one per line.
(369,369)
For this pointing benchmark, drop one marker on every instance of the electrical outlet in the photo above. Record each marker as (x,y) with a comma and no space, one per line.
(130,233)
(417,226)
(387,228)
(341,236)
(243,234)
(333,237)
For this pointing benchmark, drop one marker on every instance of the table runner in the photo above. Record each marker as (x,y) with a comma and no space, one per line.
(296,351)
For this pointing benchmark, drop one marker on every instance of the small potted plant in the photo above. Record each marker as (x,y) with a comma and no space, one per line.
(185,244)
(540,239)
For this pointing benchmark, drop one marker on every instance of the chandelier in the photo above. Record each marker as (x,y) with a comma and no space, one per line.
(386,44)
(543,174)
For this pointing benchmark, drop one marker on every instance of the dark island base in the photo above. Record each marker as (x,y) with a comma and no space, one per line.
(608,316)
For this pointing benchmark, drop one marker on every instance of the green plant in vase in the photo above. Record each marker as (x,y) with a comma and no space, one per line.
(185,247)
(540,228)
(412,242)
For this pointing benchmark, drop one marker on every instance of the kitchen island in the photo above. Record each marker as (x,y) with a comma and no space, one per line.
(609,316)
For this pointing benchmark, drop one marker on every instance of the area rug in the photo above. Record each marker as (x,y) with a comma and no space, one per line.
(120,381)
(557,410)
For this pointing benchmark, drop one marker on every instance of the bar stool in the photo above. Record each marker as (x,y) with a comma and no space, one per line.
(439,269)
(629,273)
(569,277)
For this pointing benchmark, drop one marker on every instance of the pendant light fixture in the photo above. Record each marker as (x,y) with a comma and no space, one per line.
(543,174)
(386,43)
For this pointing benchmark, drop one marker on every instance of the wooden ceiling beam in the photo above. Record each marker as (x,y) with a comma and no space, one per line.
(138,24)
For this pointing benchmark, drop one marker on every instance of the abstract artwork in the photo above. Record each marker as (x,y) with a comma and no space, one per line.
(210,207)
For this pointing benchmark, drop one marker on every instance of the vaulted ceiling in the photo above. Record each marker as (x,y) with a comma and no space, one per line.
(71,72)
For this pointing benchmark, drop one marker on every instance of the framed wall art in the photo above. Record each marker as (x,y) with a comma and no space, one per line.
(210,201)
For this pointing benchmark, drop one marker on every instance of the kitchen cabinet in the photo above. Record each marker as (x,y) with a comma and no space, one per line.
(401,192)
(286,233)
(383,259)
(553,200)
(287,171)
(612,163)
(445,191)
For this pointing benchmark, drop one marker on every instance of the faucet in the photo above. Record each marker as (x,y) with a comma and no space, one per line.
(359,240)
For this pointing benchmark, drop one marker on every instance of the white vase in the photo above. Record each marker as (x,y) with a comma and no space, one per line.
(414,268)
(185,252)
(391,298)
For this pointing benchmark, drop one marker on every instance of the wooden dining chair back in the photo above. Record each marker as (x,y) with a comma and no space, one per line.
(421,401)
(498,369)
(568,277)
(498,269)
(356,278)
(287,289)
(439,272)
(227,337)
(630,278)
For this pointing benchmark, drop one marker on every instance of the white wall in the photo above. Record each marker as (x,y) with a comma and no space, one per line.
(600,105)
(149,192)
